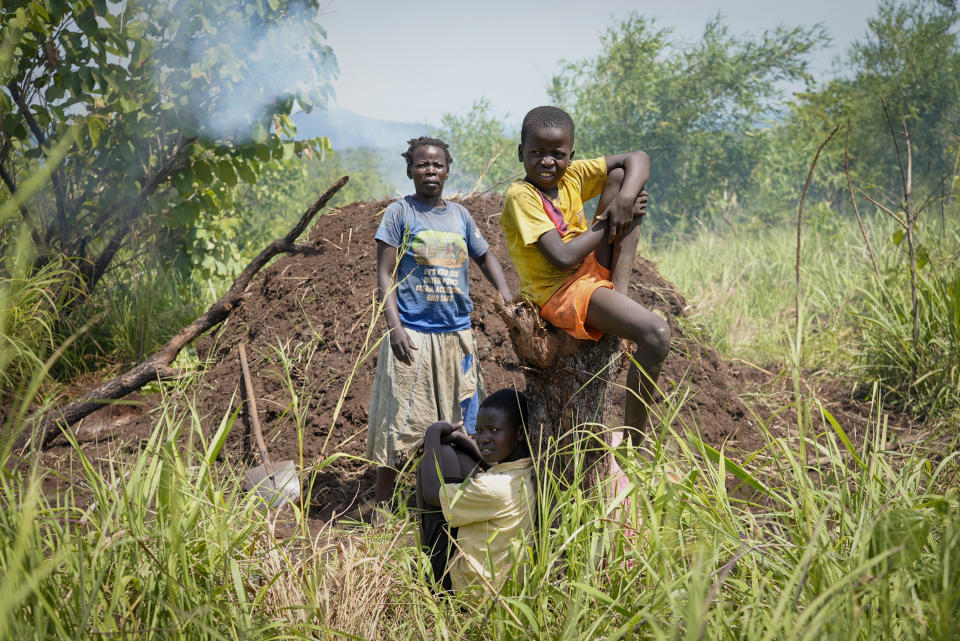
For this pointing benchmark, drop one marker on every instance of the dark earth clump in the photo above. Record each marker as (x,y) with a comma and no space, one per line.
(306,320)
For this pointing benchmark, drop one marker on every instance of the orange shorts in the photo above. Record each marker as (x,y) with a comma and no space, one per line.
(567,308)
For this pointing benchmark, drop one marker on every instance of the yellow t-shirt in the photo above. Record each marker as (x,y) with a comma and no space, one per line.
(524,221)
(492,510)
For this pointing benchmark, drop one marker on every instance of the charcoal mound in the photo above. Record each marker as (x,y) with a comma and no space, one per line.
(306,320)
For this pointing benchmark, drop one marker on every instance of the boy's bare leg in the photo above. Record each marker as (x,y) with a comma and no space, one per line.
(617,257)
(613,312)
(611,188)
(624,253)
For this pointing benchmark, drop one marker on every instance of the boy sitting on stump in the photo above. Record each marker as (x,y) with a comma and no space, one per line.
(577,271)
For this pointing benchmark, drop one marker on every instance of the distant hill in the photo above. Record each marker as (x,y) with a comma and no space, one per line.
(347,129)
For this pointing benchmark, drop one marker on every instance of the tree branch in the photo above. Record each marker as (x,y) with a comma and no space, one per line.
(157,366)
(58,189)
(24,212)
(174,163)
(856,210)
(882,208)
(896,145)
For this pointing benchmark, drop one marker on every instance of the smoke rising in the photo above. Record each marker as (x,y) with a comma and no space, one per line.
(242,67)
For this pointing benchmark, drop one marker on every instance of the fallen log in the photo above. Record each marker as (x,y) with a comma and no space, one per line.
(157,366)
(566,382)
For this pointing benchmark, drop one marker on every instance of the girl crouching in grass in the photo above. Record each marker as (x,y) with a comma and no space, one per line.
(484,489)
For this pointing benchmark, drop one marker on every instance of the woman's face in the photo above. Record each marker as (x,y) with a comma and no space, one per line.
(429,171)
(495,436)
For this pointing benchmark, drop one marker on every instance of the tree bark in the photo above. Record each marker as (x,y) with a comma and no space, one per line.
(157,366)
(566,382)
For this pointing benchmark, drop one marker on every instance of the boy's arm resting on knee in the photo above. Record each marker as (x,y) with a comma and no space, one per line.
(567,255)
(400,342)
(433,468)
(490,267)
(636,172)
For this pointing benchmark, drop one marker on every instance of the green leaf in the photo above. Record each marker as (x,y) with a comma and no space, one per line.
(203,172)
(902,528)
(246,172)
(226,173)
(898,236)
(922,257)
(56,8)
(237,582)
(842,435)
(262,152)
(87,22)
(183,181)
(165,488)
(94,127)
(532,622)
(715,457)
(186,213)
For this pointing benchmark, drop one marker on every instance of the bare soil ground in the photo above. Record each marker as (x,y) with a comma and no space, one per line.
(306,321)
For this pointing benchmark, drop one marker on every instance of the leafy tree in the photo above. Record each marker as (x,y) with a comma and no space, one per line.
(700,109)
(910,59)
(483,156)
(276,201)
(171,105)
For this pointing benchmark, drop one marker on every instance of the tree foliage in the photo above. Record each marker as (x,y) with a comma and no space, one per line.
(271,205)
(484,156)
(174,105)
(699,109)
(905,71)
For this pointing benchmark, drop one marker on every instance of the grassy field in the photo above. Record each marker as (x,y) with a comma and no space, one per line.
(742,294)
(864,544)
(855,540)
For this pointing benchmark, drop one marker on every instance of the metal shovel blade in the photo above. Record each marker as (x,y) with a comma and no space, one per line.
(274,490)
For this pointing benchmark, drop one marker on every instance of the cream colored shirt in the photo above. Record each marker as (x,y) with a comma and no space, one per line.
(524,221)
(493,511)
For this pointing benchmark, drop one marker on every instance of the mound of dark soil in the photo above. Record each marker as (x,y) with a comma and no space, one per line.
(307,323)
(317,310)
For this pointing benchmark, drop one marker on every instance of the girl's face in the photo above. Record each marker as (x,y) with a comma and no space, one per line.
(495,436)
(428,170)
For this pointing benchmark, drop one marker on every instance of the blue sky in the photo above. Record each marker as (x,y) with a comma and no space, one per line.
(415,60)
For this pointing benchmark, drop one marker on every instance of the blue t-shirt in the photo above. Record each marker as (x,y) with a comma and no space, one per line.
(433,293)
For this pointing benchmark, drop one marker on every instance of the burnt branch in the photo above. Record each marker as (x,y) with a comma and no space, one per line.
(157,366)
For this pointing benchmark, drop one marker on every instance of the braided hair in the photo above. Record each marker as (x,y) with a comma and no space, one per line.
(547,117)
(425,141)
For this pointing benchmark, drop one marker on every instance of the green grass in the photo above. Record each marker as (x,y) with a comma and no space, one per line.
(29,312)
(862,544)
(741,289)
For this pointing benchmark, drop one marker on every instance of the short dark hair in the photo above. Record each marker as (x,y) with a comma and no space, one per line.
(548,117)
(426,141)
(510,402)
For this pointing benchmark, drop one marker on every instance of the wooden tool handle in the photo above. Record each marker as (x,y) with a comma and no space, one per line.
(252,411)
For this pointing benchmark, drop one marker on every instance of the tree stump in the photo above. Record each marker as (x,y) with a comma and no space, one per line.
(566,381)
